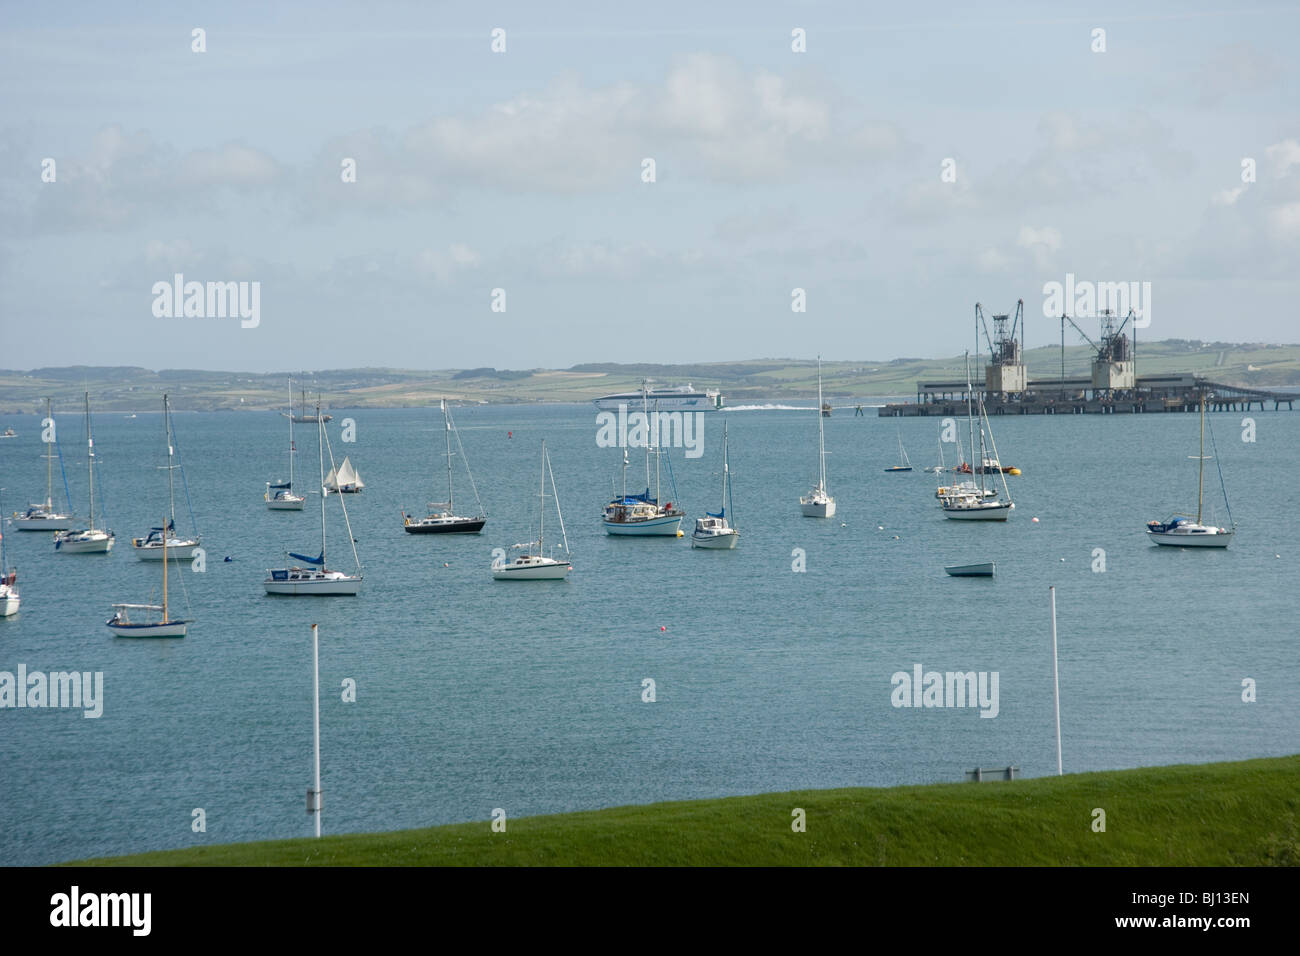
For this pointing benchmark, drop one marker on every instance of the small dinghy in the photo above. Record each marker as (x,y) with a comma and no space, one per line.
(984,570)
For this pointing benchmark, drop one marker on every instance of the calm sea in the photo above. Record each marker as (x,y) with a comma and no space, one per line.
(473,694)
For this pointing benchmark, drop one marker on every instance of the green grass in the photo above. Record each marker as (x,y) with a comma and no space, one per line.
(1228,814)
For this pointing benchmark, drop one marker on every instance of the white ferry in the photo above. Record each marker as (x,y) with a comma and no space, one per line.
(682,398)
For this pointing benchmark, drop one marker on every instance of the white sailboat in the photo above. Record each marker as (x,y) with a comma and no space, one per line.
(939,468)
(344,480)
(818,503)
(42,516)
(122,625)
(9,599)
(88,540)
(640,515)
(539,566)
(976,504)
(317,578)
(713,530)
(1179,530)
(445,520)
(160,542)
(279,494)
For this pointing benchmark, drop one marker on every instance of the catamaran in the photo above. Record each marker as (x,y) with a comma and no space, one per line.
(9,599)
(279,494)
(818,503)
(713,531)
(539,566)
(160,542)
(641,514)
(122,625)
(42,516)
(89,540)
(977,505)
(344,479)
(1179,530)
(445,520)
(317,578)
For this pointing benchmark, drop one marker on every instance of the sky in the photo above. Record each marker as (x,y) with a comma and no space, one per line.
(897,163)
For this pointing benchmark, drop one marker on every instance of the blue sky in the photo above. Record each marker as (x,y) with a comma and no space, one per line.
(521,170)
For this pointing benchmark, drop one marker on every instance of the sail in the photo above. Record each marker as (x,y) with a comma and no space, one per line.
(345,476)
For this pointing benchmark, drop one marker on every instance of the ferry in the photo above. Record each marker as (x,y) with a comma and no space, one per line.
(682,398)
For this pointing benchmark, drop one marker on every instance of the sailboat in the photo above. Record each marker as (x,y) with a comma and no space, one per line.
(1179,530)
(122,625)
(641,514)
(156,545)
(713,531)
(9,599)
(818,503)
(283,498)
(446,521)
(304,418)
(539,566)
(42,516)
(939,468)
(90,540)
(903,463)
(317,578)
(977,505)
(345,479)
(961,487)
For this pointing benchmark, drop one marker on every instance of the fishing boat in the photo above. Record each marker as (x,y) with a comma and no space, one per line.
(442,517)
(316,578)
(538,565)
(977,505)
(643,515)
(903,463)
(279,494)
(122,625)
(88,540)
(42,516)
(162,541)
(9,599)
(345,479)
(1181,531)
(713,530)
(818,503)
(983,570)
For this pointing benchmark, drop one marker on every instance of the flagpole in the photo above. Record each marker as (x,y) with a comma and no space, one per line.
(315,802)
(1056,683)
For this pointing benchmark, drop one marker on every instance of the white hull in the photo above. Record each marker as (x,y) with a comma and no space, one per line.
(716,542)
(52,523)
(163,629)
(176,549)
(668,526)
(543,570)
(331,583)
(286,504)
(663,401)
(980,511)
(818,509)
(1212,538)
(9,602)
(90,542)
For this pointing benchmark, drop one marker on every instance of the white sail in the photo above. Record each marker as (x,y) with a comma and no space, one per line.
(344,476)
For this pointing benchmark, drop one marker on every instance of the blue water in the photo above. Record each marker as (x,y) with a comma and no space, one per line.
(474,694)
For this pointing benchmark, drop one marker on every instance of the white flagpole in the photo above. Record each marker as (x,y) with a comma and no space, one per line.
(315,706)
(1056,684)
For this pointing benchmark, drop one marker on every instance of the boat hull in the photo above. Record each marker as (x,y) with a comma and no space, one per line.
(286,504)
(467,526)
(9,604)
(163,629)
(979,512)
(177,550)
(818,509)
(64,523)
(341,585)
(533,572)
(667,526)
(93,543)
(1208,539)
(984,570)
(715,542)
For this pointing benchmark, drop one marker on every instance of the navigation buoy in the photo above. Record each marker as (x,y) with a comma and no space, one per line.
(510,434)
(1034,520)
(662,628)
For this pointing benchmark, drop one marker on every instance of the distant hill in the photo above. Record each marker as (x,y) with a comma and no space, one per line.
(124,388)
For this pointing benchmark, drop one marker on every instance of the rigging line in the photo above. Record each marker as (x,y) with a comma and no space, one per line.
(63,471)
(473,487)
(351,538)
(556,493)
(185,483)
(1222,488)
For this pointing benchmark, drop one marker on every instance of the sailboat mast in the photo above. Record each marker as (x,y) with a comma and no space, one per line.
(1200,479)
(166,616)
(658,495)
(320,445)
(446,424)
(90,463)
(724,467)
(171,483)
(645,413)
(291,433)
(541,502)
(49,461)
(821,430)
(970,418)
